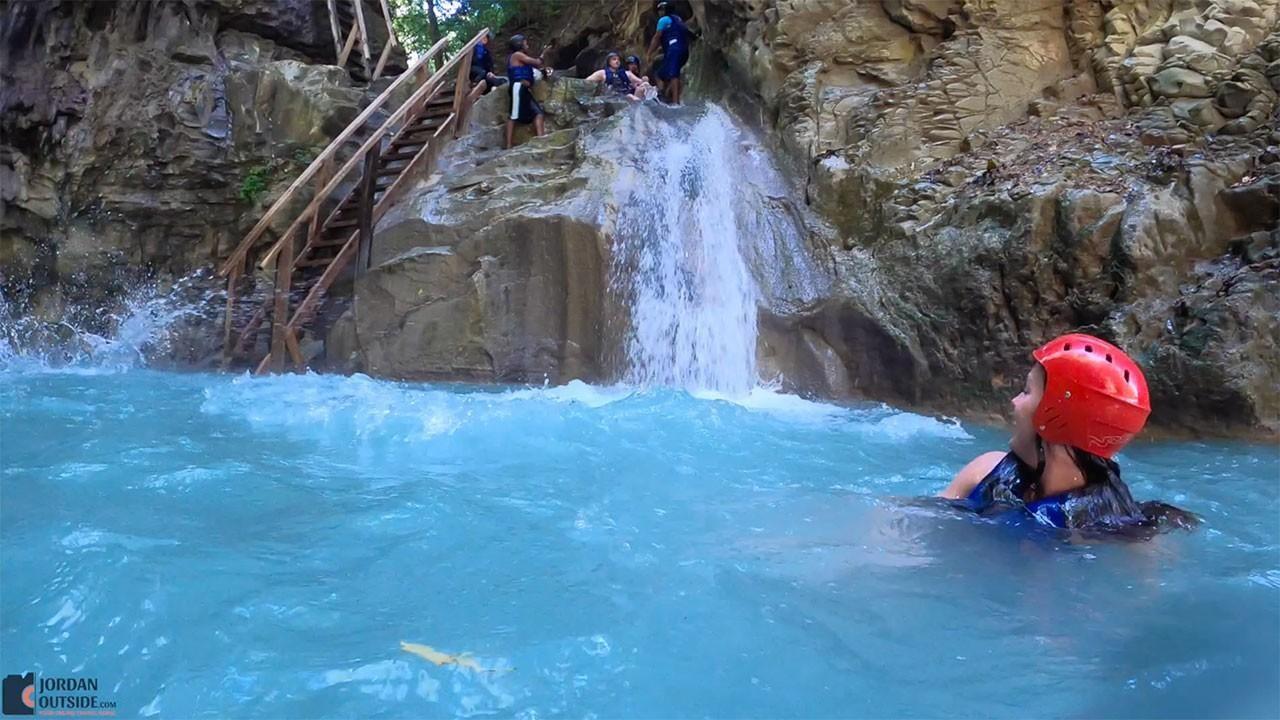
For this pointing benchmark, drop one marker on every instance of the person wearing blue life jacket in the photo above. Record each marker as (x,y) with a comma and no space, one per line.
(616,79)
(633,66)
(483,78)
(1083,401)
(521,67)
(673,36)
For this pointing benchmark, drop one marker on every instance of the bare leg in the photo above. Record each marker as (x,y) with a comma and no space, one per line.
(538,127)
(677,89)
(511,130)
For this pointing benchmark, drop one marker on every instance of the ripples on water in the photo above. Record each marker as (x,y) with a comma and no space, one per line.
(222,545)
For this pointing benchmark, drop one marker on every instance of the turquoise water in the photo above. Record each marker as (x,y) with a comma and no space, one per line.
(213,545)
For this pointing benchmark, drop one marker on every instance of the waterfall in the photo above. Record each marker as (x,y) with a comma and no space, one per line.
(693,223)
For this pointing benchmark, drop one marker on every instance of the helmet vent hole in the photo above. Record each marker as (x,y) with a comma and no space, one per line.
(1108,357)
(1088,348)
(1126,376)
(1067,346)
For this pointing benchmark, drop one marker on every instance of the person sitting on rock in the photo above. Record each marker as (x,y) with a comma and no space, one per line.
(674,38)
(520,67)
(482,78)
(616,78)
(1083,400)
(633,67)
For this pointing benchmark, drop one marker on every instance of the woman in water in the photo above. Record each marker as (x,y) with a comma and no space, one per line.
(1083,400)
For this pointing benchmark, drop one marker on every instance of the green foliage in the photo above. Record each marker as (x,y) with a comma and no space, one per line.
(462,19)
(304,156)
(254,183)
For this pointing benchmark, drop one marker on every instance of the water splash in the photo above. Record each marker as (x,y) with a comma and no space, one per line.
(140,330)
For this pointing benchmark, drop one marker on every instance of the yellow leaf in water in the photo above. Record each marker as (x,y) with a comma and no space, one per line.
(430,654)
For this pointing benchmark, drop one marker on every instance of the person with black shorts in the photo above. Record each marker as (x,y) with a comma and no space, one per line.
(520,72)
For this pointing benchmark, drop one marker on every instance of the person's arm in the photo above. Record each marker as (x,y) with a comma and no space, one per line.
(596,77)
(970,475)
(635,81)
(527,59)
(657,38)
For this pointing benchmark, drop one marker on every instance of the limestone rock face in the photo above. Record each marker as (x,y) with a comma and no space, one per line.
(486,273)
(142,139)
(999,172)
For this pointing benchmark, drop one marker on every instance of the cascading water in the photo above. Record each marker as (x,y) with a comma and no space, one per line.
(690,207)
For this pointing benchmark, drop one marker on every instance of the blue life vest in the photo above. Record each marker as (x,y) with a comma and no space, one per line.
(1003,488)
(617,80)
(483,59)
(676,36)
(518,73)
(1097,505)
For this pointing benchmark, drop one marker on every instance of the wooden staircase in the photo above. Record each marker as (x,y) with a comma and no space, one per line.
(335,226)
(351,41)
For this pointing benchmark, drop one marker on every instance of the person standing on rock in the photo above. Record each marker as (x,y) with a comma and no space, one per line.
(1083,400)
(520,67)
(674,38)
(482,77)
(616,78)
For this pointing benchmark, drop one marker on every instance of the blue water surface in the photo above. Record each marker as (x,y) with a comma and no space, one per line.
(224,546)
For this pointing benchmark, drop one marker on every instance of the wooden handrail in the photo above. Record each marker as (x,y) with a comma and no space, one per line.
(437,79)
(242,250)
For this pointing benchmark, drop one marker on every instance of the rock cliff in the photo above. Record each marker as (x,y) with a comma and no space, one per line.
(140,139)
(997,172)
(974,177)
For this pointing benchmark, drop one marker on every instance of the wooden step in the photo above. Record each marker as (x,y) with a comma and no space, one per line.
(339,224)
(419,132)
(313,262)
(406,155)
(332,242)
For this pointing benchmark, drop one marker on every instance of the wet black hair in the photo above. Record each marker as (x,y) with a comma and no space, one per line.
(632,60)
(516,42)
(1106,504)
(663,7)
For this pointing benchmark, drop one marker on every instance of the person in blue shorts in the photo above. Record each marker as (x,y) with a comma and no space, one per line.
(673,35)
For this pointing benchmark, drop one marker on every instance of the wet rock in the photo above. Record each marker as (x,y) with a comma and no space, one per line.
(129,131)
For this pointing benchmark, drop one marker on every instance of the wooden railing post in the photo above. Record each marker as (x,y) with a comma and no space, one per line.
(280,314)
(368,186)
(461,90)
(391,41)
(228,323)
(364,38)
(337,32)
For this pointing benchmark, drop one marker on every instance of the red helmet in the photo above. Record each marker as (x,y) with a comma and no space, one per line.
(1095,396)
